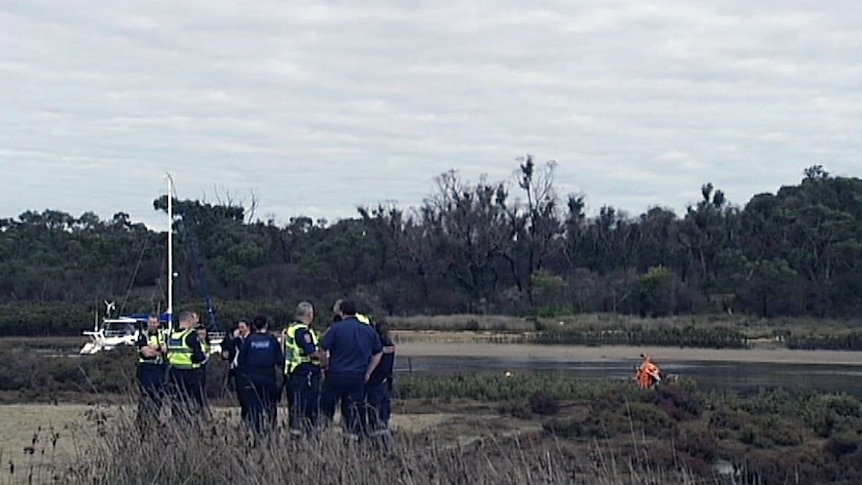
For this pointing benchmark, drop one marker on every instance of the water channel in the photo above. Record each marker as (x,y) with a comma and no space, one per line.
(743,377)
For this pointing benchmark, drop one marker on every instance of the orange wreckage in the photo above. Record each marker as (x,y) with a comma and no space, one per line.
(648,373)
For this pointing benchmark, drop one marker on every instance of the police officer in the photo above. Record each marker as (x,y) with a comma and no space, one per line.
(230,353)
(203,370)
(151,372)
(302,371)
(185,357)
(354,352)
(378,389)
(336,310)
(259,358)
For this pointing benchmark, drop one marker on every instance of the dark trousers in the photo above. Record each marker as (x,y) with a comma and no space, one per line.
(186,391)
(303,398)
(204,402)
(240,396)
(379,398)
(260,397)
(151,383)
(349,390)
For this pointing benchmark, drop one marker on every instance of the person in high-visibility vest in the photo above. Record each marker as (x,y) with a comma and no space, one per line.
(151,372)
(206,348)
(185,356)
(302,371)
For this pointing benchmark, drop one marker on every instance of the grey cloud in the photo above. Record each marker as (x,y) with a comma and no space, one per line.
(320,108)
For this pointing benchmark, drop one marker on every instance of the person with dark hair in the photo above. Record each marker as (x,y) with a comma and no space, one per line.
(378,389)
(206,347)
(336,310)
(354,352)
(185,357)
(259,358)
(302,358)
(230,353)
(151,372)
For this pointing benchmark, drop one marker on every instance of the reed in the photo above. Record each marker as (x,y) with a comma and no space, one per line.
(189,450)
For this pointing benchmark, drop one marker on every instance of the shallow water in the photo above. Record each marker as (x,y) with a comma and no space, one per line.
(742,377)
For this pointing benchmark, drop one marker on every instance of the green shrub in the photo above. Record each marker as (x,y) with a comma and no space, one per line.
(698,444)
(843,444)
(679,402)
(543,403)
(645,417)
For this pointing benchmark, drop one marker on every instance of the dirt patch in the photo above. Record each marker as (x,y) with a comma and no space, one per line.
(27,430)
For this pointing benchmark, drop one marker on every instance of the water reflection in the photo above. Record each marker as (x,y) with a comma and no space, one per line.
(745,378)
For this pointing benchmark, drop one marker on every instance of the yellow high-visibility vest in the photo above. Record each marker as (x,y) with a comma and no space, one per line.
(153,341)
(293,353)
(180,354)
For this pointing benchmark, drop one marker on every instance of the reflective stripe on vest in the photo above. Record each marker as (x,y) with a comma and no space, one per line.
(180,354)
(153,341)
(293,353)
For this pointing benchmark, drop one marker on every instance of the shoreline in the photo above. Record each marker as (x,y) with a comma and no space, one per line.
(616,353)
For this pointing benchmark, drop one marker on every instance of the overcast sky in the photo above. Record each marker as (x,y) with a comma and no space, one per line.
(317,109)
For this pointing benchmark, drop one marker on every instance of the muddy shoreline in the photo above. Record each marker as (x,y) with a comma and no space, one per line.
(616,353)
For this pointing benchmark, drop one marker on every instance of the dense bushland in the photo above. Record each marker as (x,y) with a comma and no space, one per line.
(484,247)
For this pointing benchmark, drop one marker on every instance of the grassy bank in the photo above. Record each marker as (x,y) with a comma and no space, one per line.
(751,327)
(698,331)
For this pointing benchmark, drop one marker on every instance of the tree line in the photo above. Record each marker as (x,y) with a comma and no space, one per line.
(508,247)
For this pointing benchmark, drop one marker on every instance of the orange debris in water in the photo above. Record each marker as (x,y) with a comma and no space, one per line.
(648,373)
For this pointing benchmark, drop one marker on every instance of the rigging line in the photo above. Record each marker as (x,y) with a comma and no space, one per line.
(135,273)
(159,287)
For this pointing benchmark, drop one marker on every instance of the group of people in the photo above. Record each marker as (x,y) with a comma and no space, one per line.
(172,364)
(350,365)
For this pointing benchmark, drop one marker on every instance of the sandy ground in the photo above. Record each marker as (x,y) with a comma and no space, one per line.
(26,433)
(24,426)
(613,353)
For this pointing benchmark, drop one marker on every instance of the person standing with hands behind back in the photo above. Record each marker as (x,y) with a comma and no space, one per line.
(260,357)
(355,351)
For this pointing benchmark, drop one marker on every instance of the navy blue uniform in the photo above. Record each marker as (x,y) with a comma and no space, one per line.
(303,388)
(259,358)
(351,345)
(151,379)
(378,390)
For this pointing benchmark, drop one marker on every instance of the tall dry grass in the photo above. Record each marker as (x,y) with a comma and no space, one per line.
(109,449)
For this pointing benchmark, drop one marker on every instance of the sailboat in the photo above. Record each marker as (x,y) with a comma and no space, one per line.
(118,331)
(112,332)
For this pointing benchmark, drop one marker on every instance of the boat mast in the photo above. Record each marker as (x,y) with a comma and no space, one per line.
(170,311)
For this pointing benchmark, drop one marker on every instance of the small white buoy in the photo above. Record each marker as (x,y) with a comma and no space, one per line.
(508,374)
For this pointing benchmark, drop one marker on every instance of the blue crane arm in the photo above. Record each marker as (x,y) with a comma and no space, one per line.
(213,325)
